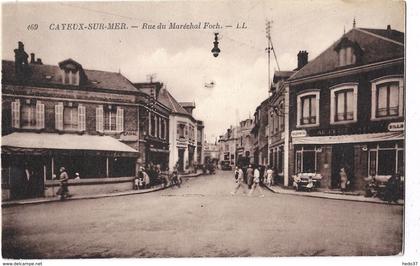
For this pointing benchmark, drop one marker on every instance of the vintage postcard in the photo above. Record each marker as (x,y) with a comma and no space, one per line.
(203,129)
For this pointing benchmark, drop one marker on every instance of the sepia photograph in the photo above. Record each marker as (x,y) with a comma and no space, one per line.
(203,129)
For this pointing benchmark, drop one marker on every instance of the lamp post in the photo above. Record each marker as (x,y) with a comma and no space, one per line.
(215,51)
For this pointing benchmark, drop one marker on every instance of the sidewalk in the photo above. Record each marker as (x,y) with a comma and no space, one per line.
(76,197)
(331,194)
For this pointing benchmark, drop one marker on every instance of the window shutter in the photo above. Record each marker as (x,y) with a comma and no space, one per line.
(40,115)
(59,116)
(99,119)
(81,110)
(120,119)
(16,114)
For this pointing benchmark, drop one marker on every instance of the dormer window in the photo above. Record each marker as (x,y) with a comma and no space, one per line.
(349,52)
(346,57)
(69,77)
(72,73)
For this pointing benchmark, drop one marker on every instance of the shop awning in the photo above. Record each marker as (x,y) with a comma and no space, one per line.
(51,141)
(357,138)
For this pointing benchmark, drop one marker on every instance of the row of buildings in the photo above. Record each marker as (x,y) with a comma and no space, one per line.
(96,123)
(345,108)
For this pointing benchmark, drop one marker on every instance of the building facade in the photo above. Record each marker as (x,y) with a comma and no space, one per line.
(245,140)
(65,116)
(183,128)
(346,109)
(276,125)
(154,126)
(228,144)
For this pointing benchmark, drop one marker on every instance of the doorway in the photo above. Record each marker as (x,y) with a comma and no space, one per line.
(181,159)
(342,155)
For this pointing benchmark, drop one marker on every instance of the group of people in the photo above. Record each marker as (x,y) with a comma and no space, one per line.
(142,179)
(253,179)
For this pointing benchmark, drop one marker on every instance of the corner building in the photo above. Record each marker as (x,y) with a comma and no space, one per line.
(347,109)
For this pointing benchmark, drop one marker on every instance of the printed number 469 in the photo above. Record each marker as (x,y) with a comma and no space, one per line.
(32,27)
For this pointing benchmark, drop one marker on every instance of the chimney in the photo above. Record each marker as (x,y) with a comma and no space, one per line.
(32,58)
(302,58)
(388,27)
(39,61)
(21,60)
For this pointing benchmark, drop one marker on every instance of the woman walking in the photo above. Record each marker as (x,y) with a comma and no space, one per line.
(256,183)
(239,179)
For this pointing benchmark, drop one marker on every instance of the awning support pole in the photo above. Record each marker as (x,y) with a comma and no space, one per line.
(107,166)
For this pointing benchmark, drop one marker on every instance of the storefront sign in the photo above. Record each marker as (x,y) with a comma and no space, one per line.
(396,126)
(129,136)
(298,133)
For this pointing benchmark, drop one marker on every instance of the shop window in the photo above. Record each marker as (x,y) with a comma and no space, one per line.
(387,98)
(344,103)
(386,159)
(308,109)
(307,160)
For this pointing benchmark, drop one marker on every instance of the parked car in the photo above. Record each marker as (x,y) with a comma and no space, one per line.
(225,165)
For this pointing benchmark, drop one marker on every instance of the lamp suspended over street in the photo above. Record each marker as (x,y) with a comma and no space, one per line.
(215,51)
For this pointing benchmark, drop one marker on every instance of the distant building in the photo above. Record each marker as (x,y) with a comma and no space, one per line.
(228,146)
(211,152)
(245,142)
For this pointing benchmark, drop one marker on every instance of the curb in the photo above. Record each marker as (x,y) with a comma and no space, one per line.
(107,195)
(326,196)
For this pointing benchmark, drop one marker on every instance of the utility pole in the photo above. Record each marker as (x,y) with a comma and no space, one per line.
(151,77)
(268,49)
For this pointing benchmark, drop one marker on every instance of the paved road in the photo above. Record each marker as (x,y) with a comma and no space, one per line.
(201,219)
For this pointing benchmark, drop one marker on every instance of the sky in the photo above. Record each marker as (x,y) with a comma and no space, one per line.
(181,59)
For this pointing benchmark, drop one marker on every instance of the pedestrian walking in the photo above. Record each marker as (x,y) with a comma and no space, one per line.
(239,180)
(344,181)
(270,174)
(63,192)
(256,183)
(249,176)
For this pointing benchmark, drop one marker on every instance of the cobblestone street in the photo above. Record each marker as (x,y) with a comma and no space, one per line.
(200,219)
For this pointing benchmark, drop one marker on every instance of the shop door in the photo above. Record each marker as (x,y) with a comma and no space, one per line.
(181,159)
(342,156)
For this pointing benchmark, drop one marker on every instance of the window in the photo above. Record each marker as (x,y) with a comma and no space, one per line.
(162,128)
(28,114)
(71,118)
(180,131)
(346,56)
(387,97)
(308,109)
(344,103)
(281,117)
(28,118)
(307,159)
(70,77)
(110,119)
(386,159)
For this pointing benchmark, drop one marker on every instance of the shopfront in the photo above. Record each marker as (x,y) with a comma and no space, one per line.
(363,155)
(31,160)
